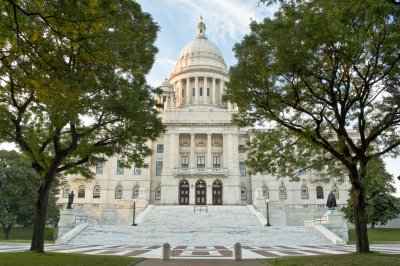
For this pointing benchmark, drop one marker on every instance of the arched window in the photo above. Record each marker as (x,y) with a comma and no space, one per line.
(320,192)
(243,193)
(282,192)
(66,189)
(335,191)
(157,193)
(304,192)
(96,192)
(135,193)
(265,191)
(81,191)
(118,192)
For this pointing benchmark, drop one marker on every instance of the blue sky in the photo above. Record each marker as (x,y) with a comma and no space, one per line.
(227,21)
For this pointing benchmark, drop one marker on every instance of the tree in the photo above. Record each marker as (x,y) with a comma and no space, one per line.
(324,77)
(73,88)
(18,185)
(381,206)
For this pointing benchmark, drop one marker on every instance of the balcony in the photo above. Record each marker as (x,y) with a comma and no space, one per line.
(201,171)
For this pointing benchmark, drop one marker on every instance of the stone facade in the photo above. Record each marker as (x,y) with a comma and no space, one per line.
(201,157)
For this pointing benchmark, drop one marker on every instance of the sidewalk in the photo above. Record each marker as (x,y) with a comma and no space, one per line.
(199,262)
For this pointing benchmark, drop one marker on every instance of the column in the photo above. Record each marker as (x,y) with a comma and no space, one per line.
(209,159)
(213,91)
(221,90)
(187,91)
(191,163)
(179,93)
(205,91)
(172,100)
(196,89)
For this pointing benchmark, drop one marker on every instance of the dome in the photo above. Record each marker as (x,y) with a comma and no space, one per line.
(166,87)
(200,53)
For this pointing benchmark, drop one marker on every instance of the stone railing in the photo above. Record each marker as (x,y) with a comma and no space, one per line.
(201,171)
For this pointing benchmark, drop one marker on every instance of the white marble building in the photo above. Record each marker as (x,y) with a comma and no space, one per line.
(201,157)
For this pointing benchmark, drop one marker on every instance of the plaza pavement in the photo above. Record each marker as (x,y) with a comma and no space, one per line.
(200,252)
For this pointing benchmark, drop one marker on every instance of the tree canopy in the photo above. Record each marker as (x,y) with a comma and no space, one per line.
(381,204)
(324,77)
(73,88)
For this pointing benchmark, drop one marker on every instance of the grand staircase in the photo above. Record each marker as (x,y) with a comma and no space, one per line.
(184,225)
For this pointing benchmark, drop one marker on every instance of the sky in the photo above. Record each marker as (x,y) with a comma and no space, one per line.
(227,21)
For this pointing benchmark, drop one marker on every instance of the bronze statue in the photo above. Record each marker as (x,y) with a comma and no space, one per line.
(331,202)
(70,200)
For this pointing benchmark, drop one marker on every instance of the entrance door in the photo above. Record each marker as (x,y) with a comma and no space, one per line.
(184,193)
(201,193)
(217,193)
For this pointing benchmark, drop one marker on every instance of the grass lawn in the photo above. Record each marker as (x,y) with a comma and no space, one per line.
(24,234)
(375,259)
(378,236)
(60,259)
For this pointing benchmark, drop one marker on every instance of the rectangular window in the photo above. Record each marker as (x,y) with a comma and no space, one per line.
(137,171)
(216,162)
(194,91)
(242,168)
(201,92)
(159,166)
(99,168)
(208,91)
(160,148)
(201,161)
(120,168)
(185,162)
(242,149)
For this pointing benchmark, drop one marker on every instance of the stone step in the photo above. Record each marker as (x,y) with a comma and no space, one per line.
(221,225)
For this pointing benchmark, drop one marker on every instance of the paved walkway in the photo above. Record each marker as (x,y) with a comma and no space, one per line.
(191,262)
(200,252)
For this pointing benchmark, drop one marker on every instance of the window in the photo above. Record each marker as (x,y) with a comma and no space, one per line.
(120,168)
(160,148)
(201,92)
(242,168)
(81,191)
(194,91)
(66,189)
(302,172)
(335,191)
(265,191)
(320,192)
(99,168)
(135,192)
(243,193)
(304,192)
(208,91)
(216,162)
(201,161)
(118,192)
(242,148)
(282,192)
(137,170)
(185,162)
(159,166)
(157,193)
(96,192)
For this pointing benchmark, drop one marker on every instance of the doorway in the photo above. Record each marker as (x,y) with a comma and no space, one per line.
(184,192)
(217,193)
(201,193)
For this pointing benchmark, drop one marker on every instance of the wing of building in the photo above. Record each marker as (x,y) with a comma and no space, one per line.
(200,160)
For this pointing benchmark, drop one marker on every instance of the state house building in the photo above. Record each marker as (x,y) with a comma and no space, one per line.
(200,160)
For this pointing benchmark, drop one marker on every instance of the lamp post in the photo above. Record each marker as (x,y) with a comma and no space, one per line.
(267,201)
(134,210)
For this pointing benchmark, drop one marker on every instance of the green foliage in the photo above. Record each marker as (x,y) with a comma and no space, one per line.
(381,205)
(18,191)
(50,259)
(323,76)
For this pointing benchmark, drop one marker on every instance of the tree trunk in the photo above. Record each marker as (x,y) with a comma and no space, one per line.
(6,230)
(360,223)
(39,222)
